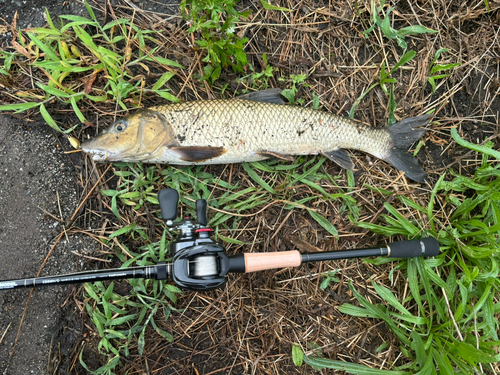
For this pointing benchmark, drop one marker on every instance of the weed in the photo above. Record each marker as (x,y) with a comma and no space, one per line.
(136,187)
(259,81)
(297,355)
(268,6)
(290,93)
(385,75)
(215,22)
(71,59)
(435,68)
(329,277)
(385,26)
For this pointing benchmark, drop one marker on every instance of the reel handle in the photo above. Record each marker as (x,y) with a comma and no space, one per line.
(168,199)
(201,211)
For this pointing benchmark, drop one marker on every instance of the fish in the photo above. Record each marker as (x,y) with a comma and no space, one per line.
(252,127)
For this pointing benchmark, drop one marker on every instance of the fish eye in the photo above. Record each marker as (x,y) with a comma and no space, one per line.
(120,126)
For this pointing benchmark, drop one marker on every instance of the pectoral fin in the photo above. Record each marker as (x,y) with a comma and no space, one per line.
(266,96)
(197,154)
(340,157)
(270,154)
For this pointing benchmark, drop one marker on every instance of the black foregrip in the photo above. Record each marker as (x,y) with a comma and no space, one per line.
(427,247)
(168,199)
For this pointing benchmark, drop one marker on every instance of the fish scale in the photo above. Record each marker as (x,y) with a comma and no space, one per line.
(268,127)
(251,128)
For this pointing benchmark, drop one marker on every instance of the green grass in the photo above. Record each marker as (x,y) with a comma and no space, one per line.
(69,58)
(384,24)
(449,322)
(439,68)
(121,319)
(214,22)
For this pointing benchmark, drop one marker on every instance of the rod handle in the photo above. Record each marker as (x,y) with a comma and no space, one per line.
(425,247)
(268,261)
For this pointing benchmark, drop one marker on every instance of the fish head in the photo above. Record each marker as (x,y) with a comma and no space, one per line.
(136,138)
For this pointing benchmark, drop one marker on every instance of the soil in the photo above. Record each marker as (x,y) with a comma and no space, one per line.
(37,188)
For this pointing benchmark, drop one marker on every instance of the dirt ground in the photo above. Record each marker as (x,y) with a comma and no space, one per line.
(246,330)
(38,195)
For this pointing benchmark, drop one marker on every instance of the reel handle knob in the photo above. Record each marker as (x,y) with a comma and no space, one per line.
(201,211)
(168,199)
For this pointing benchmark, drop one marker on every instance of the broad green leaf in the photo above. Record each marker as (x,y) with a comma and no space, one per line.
(387,296)
(361,312)
(297,355)
(232,240)
(472,146)
(166,95)
(90,11)
(165,61)
(89,289)
(254,176)
(406,58)
(415,29)
(78,113)
(45,48)
(330,228)
(123,319)
(438,68)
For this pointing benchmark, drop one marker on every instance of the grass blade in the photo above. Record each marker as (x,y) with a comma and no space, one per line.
(20,107)
(48,118)
(351,368)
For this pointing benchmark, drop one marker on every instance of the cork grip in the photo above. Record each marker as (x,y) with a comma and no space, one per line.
(268,261)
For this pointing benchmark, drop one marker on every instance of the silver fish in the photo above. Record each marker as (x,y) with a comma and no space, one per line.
(249,128)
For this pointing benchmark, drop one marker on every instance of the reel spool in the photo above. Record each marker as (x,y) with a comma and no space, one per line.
(205,266)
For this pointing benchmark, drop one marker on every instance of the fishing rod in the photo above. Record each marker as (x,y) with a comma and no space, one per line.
(199,263)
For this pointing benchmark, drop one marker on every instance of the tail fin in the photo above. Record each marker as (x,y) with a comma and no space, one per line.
(403,134)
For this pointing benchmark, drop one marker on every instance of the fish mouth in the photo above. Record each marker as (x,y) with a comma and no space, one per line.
(100,155)
(96,154)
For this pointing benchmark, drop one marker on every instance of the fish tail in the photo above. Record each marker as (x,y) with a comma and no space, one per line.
(403,134)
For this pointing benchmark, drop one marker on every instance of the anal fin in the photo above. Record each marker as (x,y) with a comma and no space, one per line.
(271,154)
(340,157)
(197,154)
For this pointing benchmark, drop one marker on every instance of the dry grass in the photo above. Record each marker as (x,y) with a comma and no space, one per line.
(251,325)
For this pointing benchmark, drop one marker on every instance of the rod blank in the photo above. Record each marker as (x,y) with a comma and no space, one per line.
(159,271)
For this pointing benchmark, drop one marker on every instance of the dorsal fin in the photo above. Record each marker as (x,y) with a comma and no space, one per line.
(265,96)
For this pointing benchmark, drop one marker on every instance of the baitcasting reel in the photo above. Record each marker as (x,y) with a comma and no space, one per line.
(199,263)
